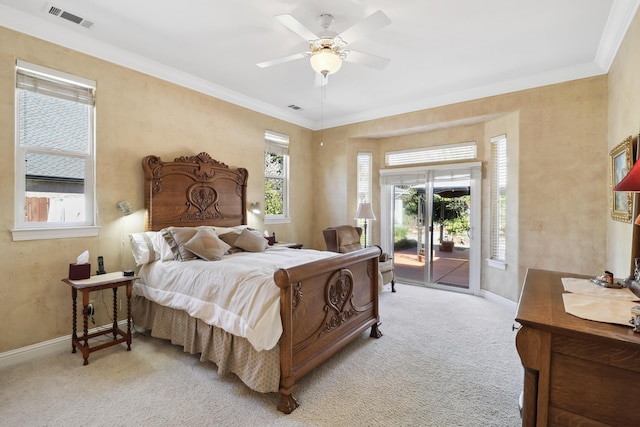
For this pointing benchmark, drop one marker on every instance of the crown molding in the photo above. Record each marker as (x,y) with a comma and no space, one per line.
(58,34)
(620,17)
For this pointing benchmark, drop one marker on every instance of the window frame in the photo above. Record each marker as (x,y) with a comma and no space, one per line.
(499,185)
(279,143)
(24,230)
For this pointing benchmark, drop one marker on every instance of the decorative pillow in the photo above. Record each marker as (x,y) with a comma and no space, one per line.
(251,241)
(222,230)
(206,245)
(230,237)
(142,247)
(225,230)
(176,237)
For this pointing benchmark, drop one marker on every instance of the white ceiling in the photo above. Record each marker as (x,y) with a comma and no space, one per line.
(441,51)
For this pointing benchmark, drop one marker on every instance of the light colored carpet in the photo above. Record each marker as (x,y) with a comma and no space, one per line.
(445,359)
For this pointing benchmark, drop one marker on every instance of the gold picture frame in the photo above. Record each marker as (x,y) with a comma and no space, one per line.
(621,161)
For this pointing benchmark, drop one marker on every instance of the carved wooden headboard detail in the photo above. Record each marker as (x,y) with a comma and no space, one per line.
(192,191)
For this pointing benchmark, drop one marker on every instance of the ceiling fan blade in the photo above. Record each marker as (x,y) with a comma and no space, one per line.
(294,25)
(277,61)
(373,61)
(368,25)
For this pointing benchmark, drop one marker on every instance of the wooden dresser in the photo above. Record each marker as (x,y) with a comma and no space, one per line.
(576,372)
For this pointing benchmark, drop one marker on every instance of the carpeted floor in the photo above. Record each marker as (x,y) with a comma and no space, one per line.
(445,359)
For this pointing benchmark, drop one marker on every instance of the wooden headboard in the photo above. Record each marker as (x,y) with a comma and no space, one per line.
(192,191)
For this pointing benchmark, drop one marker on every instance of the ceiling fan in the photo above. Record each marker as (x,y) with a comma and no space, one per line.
(328,49)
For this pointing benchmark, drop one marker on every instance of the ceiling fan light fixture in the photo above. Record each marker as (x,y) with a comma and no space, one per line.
(325,61)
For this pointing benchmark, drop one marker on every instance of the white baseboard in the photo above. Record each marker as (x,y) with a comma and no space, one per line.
(45,348)
(499,299)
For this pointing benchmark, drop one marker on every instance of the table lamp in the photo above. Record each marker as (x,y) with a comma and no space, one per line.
(365,211)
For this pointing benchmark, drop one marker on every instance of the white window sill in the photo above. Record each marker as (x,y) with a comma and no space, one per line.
(500,265)
(54,233)
(283,220)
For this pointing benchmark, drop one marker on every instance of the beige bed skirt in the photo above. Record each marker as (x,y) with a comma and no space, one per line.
(259,370)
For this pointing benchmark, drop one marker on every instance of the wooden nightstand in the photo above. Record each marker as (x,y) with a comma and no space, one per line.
(97,283)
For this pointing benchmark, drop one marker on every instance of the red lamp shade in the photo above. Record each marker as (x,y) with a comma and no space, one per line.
(631,182)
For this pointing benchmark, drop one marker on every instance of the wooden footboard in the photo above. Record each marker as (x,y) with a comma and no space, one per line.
(324,306)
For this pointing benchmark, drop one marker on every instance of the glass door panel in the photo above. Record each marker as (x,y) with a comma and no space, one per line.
(431,219)
(451,204)
(410,233)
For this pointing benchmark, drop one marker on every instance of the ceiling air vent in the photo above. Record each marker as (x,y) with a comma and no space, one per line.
(71,17)
(294,107)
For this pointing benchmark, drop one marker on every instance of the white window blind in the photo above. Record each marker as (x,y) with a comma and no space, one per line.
(437,154)
(364,177)
(365,161)
(498,197)
(276,143)
(45,85)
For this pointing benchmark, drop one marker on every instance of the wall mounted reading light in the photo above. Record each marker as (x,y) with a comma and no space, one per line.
(255,208)
(125,207)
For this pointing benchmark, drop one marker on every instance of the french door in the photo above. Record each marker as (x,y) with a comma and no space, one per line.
(431,224)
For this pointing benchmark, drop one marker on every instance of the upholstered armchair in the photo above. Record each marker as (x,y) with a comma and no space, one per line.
(346,238)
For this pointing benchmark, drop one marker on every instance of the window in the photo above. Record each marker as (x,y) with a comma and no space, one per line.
(441,153)
(498,199)
(54,154)
(276,177)
(364,184)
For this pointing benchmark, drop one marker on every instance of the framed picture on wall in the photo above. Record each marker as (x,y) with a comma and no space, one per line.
(621,161)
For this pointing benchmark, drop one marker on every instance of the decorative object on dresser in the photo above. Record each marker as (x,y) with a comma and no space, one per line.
(320,302)
(346,238)
(576,371)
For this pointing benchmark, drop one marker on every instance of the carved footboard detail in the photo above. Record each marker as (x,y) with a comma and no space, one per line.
(324,305)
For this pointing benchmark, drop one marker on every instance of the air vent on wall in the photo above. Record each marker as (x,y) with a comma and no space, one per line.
(69,16)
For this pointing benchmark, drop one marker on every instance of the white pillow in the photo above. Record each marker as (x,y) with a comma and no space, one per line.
(143,248)
(162,247)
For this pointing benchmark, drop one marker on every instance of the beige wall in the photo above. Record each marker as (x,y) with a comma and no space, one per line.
(558,171)
(137,115)
(624,120)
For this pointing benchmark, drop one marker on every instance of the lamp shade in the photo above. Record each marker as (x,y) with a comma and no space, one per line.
(365,211)
(325,61)
(631,182)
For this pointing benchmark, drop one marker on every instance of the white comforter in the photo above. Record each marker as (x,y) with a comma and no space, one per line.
(237,293)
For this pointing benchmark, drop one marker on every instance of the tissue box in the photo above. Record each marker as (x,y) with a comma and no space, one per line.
(79,271)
